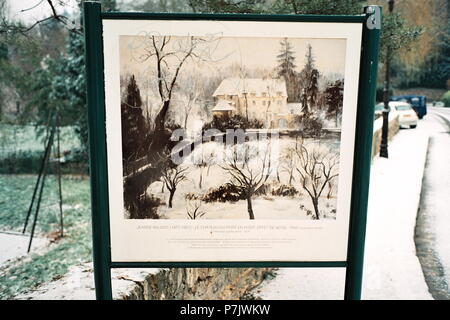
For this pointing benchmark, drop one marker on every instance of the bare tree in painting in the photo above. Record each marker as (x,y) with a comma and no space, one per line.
(193,209)
(268,117)
(170,56)
(289,163)
(205,162)
(317,168)
(190,96)
(243,75)
(331,189)
(202,165)
(171,176)
(210,159)
(249,169)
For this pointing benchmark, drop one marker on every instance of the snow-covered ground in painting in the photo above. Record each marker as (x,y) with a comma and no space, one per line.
(264,206)
(282,208)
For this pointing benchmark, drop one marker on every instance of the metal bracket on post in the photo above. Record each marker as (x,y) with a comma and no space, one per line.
(374,21)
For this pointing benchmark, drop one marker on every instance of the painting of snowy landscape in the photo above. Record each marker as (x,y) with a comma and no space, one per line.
(231,127)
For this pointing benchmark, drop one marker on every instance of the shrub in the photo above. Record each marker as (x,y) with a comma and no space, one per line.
(310,125)
(263,190)
(145,208)
(21,162)
(284,190)
(192,196)
(30,162)
(446,99)
(76,155)
(224,193)
(233,122)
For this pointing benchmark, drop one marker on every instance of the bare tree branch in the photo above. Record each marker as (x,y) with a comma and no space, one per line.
(245,177)
(317,169)
(8,27)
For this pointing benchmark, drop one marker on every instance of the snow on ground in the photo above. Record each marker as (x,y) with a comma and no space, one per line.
(78,284)
(391,267)
(213,176)
(436,195)
(15,245)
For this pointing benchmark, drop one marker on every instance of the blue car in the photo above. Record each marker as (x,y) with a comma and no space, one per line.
(419,103)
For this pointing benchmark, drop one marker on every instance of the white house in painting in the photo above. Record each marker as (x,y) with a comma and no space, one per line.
(262,99)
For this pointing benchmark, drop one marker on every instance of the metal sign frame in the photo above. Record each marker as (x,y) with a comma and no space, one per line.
(371,22)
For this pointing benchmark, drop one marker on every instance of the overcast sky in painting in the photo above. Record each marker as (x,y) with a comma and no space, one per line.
(329,54)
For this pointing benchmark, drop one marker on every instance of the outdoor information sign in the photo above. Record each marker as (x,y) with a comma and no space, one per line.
(230,140)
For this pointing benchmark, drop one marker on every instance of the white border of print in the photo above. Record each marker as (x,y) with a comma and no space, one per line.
(181,240)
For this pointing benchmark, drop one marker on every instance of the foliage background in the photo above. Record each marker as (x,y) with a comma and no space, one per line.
(42,69)
(42,74)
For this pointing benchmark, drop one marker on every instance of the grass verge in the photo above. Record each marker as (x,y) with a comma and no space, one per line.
(15,195)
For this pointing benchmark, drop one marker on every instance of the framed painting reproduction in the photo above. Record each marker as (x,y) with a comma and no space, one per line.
(228,139)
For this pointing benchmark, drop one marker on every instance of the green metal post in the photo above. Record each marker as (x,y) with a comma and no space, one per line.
(97,146)
(362,158)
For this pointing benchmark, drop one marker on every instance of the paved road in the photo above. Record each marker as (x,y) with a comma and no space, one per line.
(432,236)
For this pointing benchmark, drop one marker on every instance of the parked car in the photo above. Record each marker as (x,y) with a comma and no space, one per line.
(438,104)
(419,103)
(379,108)
(407,117)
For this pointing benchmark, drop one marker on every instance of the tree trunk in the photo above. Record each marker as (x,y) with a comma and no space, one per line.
(186,120)
(246,106)
(305,105)
(161,116)
(201,179)
(330,190)
(172,193)
(250,208)
(316,208)
(290,178)
(159,138)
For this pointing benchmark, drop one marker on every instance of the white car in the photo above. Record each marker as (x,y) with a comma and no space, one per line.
(407,117)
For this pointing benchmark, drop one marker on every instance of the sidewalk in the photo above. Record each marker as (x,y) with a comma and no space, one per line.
(391,269)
